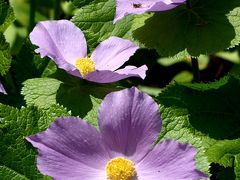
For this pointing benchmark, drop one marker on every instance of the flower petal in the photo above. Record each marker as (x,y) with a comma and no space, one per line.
(60,40)
(169,160)
(2,89)
(113,76)
(124,8)
(141,71)
(129,122)
(70,148)
(113,53)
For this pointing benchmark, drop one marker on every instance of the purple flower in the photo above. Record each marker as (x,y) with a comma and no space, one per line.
(122,149)
(2,90)
(65,44)
(126,7)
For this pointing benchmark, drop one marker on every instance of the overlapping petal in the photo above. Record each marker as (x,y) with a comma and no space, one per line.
(129,122)
(113,53)
(126,7)
(70,148)
(141,71)
(106,76)
(169,160)
(60,40)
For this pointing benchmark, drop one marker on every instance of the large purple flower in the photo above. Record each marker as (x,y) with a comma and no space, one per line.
(126,7)
(129,124)
(65,44)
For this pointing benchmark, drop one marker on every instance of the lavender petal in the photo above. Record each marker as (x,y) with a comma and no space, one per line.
(60,40)
(70,148)
(113,53)
(129,122)
(124,8)
(169,160)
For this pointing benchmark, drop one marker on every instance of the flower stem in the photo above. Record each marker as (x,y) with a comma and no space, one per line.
(195,69)
(32,15)
(56,9)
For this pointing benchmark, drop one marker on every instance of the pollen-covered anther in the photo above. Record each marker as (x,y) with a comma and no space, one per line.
(120,169)
(85,65)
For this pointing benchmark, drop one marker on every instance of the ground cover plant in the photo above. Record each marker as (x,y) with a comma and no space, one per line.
(120,90)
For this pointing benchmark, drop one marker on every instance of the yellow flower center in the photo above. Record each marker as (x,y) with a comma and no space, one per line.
(120,169)
(85,65)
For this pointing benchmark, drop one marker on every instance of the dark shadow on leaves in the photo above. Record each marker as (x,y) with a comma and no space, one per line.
(77,95)
(202,28)
(214,111)
(75,99)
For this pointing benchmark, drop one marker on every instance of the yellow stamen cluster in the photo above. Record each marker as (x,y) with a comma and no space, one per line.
(85,65)
(120,169)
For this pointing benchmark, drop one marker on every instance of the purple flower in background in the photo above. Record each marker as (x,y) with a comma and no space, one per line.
(126,7)
(122,149)
(65,44)
(2,89)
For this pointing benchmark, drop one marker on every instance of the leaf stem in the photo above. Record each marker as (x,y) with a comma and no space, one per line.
(32,15)
(56,9)
(195,69)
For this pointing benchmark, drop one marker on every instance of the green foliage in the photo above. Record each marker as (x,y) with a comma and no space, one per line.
(214,104)
(27,64)
(41,92)
(95,20)
(21,10)
(17,157)
(7,173)
(5,57)
(81,98)
(81,3)
(203,28)
(223,152)
(205,115)
(6,15)
(226,153)
(176,126)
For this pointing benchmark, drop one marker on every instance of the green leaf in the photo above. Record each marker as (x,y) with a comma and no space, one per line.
(176,126)
(82,99)
(17,157)
(205,27)
(27,64)
(237,166)
(7,173)
(6,15)
(152,91)
(209,105)
(50,69)
(41,92)
(5,57)
(21,9)
(229,56)
(226,153)
(184,76)
(204,115)
(81,3)
(96,21)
